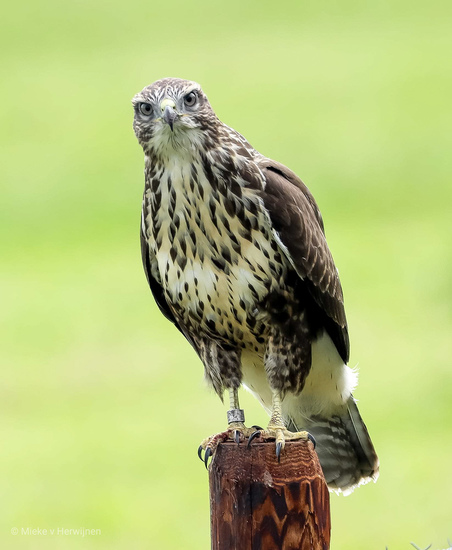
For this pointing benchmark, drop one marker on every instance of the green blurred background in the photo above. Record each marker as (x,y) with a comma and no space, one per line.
(102,401)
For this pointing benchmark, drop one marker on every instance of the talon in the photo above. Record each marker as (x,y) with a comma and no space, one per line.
(207,456)
(255,434)
(200,453)
(237,436)
(278,451)
(257,427)
(312,439)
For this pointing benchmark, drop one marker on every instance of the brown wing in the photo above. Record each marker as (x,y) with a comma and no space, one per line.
(298,224)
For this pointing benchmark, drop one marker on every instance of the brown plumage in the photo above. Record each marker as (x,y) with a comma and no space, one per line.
(235,254)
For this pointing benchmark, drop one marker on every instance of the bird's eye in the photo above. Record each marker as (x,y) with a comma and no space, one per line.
(145,109)
(190,99)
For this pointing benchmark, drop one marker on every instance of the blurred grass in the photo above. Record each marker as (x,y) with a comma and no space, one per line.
(103,403)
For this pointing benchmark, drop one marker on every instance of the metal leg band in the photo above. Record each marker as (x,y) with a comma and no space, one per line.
(236,415)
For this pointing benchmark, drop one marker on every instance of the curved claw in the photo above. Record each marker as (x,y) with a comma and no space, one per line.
(257,427)
(312,439)
(200,453)
(207,456)
(278,451)
(237,436)
(255,434)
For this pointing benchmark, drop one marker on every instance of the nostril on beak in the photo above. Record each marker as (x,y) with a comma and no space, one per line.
(167,103)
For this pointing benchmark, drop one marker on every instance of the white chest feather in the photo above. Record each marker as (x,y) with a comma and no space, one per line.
(202,262)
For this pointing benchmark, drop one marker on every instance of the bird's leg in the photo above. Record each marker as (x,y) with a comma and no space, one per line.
(277,430)
(236,415)
(236,428)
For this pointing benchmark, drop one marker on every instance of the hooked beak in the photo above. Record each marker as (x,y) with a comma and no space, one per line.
(169,113)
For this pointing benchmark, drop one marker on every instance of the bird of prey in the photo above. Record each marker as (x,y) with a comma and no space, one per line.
(234,251)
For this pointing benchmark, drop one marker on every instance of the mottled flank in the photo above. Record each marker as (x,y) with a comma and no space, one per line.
(235,254)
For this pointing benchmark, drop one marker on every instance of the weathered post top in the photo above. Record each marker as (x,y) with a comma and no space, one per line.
(258,503)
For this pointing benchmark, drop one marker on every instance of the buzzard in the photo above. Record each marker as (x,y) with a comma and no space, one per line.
(234,251)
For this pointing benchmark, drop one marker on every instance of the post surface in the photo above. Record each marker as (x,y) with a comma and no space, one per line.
(257,503)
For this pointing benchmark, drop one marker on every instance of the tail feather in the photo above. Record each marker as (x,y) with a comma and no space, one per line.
(344,448)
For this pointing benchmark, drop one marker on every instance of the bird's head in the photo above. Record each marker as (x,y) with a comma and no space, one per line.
(172,113)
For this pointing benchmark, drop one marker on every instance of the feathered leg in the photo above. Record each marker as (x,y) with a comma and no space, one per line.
(287,361)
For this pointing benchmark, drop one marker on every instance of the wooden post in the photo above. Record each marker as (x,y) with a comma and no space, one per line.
(257,503)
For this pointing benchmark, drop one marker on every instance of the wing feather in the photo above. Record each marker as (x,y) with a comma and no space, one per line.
(155,287)
(298,224)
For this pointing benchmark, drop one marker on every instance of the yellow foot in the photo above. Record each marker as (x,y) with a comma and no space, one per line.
(280,434)
(237,432)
